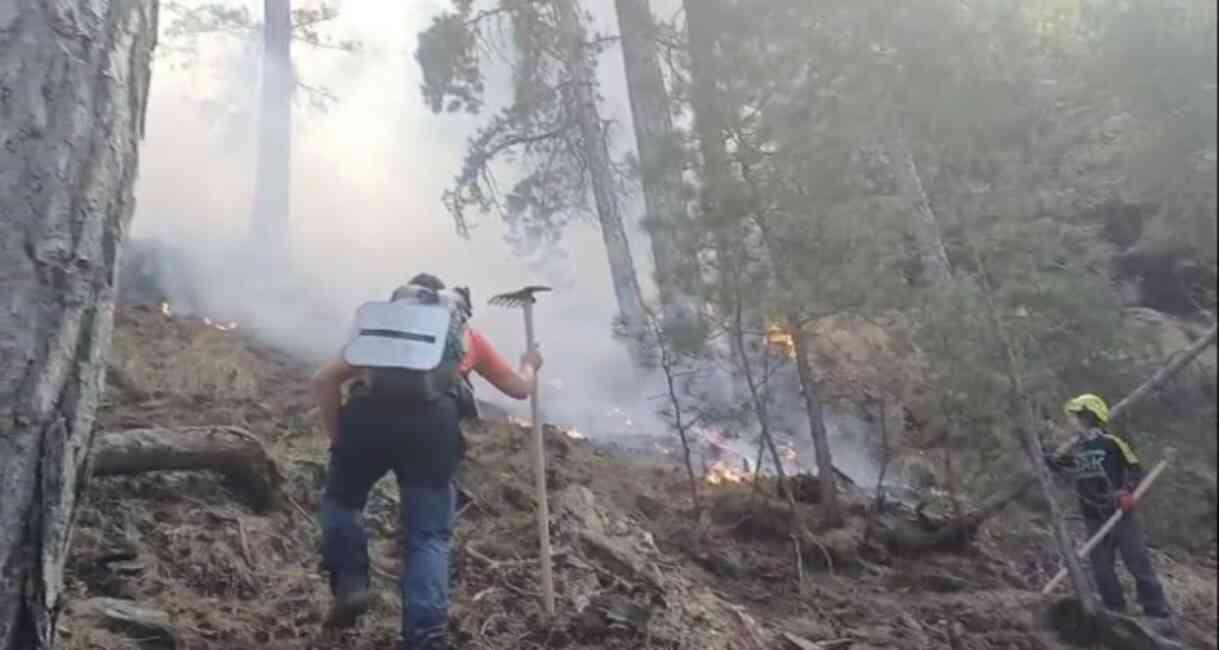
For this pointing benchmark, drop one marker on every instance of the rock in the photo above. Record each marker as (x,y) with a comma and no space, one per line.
(150,627)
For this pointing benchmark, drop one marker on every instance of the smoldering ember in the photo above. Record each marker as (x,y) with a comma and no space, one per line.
(683,324)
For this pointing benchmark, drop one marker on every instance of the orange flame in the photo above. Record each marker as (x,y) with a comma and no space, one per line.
(720,473)
(780,338)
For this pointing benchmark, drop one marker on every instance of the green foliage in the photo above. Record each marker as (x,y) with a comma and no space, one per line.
(191,21)
(1157,61)
(1024,121)
(537,131)
(449,58)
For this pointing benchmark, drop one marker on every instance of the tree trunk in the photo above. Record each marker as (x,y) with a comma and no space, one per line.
(656,142)
(1021,410)
(709,123)
(73,91)
(708,120)
(229,451)
(1062,536)
(270,230)
(830,509)
(759,408)
(936,269)
(600,173)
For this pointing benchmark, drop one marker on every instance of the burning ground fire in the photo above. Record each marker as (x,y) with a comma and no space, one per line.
(574,434)
(228,326)
(782,339)
(720,473)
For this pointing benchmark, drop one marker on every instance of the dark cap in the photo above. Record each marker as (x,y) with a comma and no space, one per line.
(428,281)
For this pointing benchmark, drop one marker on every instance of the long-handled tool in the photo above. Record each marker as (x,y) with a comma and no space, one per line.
(525,298)
(1083,551)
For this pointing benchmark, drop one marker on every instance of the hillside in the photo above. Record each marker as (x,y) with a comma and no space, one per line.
(634,566)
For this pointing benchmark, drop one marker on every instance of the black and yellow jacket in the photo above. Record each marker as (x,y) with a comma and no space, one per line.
(1101,464)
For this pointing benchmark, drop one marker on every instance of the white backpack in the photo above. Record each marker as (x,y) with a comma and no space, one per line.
(412,344)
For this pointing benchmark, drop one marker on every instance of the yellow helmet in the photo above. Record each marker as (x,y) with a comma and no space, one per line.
(1088,402)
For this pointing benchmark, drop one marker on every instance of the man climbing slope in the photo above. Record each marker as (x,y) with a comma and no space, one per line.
(1106,471)
(402,415)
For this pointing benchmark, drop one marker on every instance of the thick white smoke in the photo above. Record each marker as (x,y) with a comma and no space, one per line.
(367,176)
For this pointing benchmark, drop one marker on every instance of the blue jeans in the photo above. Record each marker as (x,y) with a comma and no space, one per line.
(422,450)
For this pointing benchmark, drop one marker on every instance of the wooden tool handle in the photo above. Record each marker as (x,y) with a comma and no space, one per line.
(539,477)
(1100,534)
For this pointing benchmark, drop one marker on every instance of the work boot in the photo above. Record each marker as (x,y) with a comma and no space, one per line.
(350,600)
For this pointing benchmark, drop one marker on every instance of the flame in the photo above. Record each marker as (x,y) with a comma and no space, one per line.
(223,327)
(575,435)
(165,310)
(782,339)
(720,473)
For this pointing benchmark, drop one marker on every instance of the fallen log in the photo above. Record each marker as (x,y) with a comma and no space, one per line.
(230,451)
(150,628)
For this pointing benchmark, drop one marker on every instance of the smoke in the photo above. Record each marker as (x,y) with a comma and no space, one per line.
(367,177)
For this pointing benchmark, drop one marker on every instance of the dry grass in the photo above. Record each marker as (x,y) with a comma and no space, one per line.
(198,361)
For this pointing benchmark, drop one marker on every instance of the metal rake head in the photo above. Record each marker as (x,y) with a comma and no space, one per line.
(518,298)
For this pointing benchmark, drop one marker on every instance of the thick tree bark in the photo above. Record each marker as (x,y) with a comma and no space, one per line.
(230,451)
(936,269)
(600,173)
(656,142)
(73,89)
(270,228)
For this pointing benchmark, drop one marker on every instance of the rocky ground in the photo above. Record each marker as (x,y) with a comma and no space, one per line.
(636,566)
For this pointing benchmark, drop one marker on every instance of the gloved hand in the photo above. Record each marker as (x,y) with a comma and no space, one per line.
(1125,501)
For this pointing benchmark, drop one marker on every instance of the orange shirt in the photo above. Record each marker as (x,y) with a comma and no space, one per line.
(483,359)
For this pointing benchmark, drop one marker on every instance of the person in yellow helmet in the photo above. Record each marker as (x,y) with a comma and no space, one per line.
(1105,471)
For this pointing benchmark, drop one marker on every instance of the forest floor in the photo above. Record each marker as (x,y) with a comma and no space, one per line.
(635,566)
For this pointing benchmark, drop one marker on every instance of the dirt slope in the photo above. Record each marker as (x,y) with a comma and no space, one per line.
(634,567)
